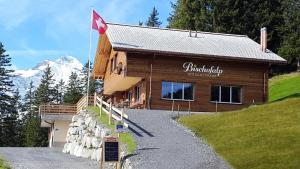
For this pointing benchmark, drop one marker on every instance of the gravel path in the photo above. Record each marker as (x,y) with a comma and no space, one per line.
(44,158)
(164,144)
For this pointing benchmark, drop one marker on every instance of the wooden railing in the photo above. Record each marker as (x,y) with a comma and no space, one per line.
(58,109)
(66,109)
(111,111)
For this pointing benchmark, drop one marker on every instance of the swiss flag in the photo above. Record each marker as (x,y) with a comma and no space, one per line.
(98,23)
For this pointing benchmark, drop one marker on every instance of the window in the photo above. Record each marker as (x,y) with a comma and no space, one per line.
(113,63)
(226,94)
(129,96)
(177,91)
(138,93)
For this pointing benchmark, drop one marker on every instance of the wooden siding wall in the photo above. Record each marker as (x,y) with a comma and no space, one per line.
(248,75)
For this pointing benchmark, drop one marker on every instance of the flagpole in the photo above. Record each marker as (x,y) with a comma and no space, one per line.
(89,58)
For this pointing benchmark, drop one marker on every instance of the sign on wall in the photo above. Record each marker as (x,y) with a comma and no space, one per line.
(202,70)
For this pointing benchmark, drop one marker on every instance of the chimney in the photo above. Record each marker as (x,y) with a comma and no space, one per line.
(263,39)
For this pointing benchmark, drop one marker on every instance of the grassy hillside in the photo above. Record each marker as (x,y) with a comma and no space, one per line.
(259,137)
(284,86)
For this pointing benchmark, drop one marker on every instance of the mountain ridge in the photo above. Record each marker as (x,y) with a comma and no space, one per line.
(60,67)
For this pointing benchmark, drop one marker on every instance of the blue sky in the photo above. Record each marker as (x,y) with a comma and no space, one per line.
(35,30)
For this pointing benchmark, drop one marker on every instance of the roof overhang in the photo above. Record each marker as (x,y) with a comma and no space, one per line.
(198,56)
(101,57)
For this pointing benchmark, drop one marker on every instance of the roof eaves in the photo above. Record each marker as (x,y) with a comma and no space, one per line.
(202,55)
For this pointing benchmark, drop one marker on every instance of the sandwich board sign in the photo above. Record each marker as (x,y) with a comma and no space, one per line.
(111,149)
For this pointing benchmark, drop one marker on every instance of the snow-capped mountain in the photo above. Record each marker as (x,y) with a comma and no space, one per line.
(61,68)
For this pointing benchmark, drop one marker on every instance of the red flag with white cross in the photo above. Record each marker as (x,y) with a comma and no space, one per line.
(98,23)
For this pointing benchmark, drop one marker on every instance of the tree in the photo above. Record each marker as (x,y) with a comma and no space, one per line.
(45,91)
(33,135)
(29,102)
(192,15)
(231,16)
(12,125)
(153,20)
(59,92)
(290,48)
(6,99)
(84,80)
(74,89)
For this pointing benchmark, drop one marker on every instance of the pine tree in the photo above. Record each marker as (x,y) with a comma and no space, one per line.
(59,92)
(7,111)
(74,89)
(45,91)
(12,126)
(29,102)
(35,135)
(153,20)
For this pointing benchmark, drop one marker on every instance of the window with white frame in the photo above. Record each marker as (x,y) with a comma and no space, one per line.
(177,91)
(226,94)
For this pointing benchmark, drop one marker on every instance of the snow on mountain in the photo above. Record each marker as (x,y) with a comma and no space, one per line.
(61,68)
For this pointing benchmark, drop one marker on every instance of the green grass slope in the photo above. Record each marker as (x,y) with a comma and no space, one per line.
(259,137)
(284,86)
(125,138)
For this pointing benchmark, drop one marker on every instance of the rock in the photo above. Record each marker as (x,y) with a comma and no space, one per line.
(98,131)
(65,148)
(92,124)
(79,151)
(72,147)
(88,142)
(86,153)
(88,120)
(94,154)
(95,142)
(98,154)
(75,118)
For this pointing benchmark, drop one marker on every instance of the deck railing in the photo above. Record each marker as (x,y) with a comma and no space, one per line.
(111,111)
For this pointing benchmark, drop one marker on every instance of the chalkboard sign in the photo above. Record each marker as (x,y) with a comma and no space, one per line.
(111,149)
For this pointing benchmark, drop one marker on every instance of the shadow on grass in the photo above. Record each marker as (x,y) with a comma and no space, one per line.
(295,95)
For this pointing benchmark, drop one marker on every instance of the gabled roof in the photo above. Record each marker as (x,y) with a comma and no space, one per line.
(173,41)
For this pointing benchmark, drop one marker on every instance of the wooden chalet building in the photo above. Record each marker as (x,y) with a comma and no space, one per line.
(155,68)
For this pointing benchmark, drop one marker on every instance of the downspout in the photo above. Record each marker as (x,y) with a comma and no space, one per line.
(150,87)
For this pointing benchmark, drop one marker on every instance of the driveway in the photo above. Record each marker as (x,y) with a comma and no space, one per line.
(164,144)
(44,158)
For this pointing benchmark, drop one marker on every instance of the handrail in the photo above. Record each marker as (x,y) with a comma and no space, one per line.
(112,111)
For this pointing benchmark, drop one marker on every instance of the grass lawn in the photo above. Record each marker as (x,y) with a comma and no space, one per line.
(3,165)
(259,137)
(125,138)
(284,86)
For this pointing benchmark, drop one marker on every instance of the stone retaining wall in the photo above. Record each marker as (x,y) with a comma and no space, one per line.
(85,135)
